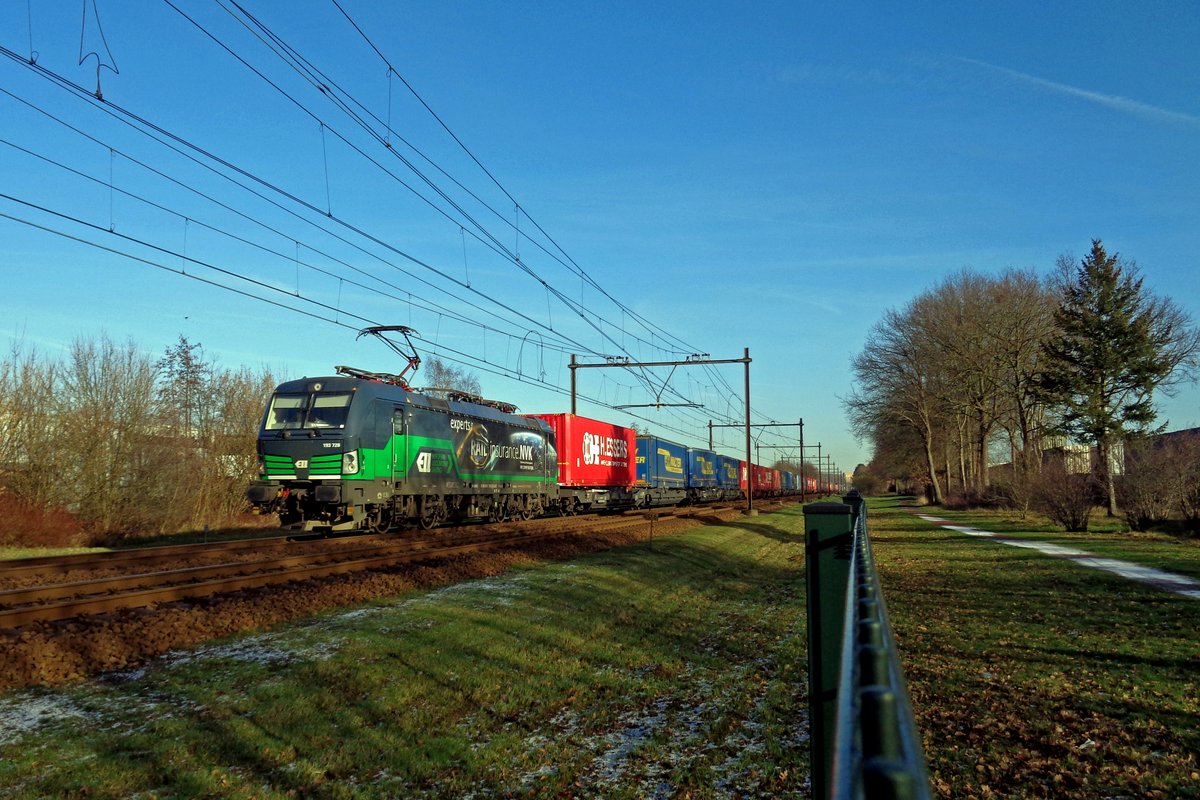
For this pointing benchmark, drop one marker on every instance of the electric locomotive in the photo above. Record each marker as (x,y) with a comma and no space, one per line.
(364,451)
(361,451)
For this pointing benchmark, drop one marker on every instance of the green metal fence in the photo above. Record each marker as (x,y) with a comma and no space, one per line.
(864,741)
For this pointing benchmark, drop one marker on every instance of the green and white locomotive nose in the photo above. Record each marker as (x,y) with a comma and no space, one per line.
(307,448)
(362,451)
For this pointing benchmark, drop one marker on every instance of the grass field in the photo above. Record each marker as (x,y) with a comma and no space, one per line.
(671,668)
(1036,677)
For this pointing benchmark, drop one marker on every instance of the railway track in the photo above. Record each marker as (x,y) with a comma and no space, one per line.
(78,637)
(139,578)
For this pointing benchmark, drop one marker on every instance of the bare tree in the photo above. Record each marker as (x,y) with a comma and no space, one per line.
(184,388)
(1067,498)
(1161,480)
(897,459)
(895,384)
(438,374)
(958,320)
(208,427)
(30,462)
(105,412)
(1025,324)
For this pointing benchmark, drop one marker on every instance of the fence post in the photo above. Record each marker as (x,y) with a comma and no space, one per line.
(828,543)
(857,505)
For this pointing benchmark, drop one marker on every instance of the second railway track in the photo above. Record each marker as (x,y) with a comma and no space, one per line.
(123,582)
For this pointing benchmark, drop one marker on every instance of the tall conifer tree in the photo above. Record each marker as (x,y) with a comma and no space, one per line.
(1115,345)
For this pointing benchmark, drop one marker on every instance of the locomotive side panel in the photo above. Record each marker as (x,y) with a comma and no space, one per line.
(342,453)
(455,448)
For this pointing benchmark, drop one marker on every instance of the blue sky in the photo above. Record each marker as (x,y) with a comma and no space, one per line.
(771,177)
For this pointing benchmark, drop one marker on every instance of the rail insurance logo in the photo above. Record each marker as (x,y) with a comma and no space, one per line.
(605,451)
(474,449)
(478,451)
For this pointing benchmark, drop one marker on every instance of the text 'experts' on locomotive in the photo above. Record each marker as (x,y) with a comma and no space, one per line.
(348,452)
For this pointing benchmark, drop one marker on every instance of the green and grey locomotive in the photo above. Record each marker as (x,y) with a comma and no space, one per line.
(361,450)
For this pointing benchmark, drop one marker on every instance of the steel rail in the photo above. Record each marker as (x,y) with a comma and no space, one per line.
(81,561)
(126,592)
(16,617)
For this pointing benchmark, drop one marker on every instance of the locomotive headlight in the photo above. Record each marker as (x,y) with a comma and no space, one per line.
(350,462)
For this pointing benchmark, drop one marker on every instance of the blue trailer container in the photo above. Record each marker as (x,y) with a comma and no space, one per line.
(661,464)
(702,469)
(729,473)
(702,476)
(788,481)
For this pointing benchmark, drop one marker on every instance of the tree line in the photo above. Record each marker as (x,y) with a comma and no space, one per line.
(109,441)
(966,390)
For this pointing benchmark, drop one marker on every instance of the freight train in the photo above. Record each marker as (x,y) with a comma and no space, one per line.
(364,451)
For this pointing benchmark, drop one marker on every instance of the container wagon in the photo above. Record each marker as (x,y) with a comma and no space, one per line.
(661,473)
(729,477)
(702,476)
(596,466)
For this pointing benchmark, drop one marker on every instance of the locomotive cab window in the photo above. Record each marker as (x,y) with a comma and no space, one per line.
(329,410)
(317,410)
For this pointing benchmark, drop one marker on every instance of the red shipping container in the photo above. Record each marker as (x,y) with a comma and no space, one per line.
(744,480)
(592,453)
(766,480)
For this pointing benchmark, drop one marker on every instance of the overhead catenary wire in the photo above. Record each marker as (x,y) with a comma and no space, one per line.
(325,85)
(165,135)
(112,108)
(583,274)
(565,347)
(322,87)
(147,127)
(431,348)
(188,221)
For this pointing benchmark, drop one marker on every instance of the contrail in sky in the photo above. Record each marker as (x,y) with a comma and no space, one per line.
(1117,102)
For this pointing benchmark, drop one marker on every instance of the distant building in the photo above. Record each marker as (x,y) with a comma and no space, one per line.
(1082,459)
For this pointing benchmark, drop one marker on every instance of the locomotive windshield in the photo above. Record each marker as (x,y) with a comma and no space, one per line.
(311,410)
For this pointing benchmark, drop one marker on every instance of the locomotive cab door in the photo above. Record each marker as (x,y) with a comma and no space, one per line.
(399,446)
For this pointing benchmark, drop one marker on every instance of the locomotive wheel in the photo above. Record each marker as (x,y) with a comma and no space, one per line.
(432,512)
(381,520)
(525,510)
(496,511)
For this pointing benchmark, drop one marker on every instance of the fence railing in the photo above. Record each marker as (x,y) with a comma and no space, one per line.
(864,740)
